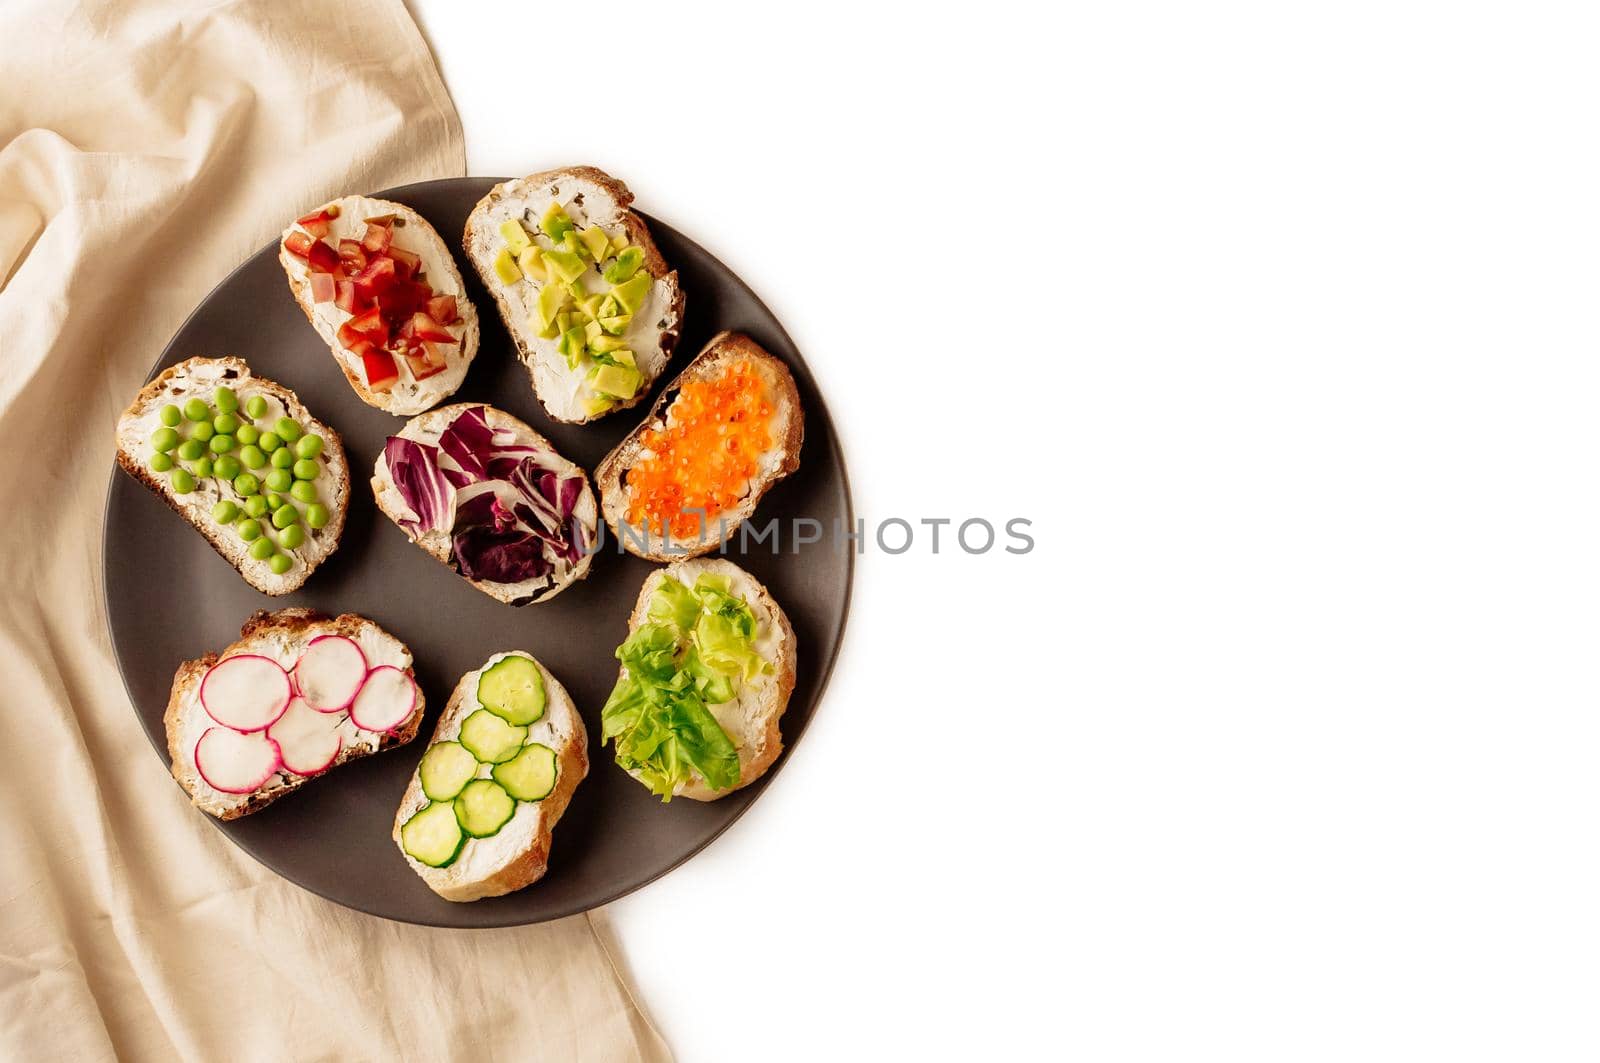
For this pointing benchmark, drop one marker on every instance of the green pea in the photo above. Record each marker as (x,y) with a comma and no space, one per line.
(249,529)
(317,515)
(181,480)
(262,549)
(307,469)
(252,457)
(225,399)
(308,446)
(288,430)
(303,490)
(203,432)
(255,406)
(291,537)
(246,484)
(282,458)
(270,441)
(163,439)
(247,433)
(196,410)
(191,449)
(225,423)
(161,462)
(280,564)
(227,466)
(279,479)
(203,468)
(284,516)
(224,512)
(274,500)
(255,506)
(171,416)
(221,444)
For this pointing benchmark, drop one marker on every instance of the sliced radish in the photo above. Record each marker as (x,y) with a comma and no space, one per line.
(247,692)
(235,763)
(386,700)
(330,672)
(308,740)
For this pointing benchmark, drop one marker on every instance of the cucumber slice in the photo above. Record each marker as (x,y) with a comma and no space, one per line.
(490,739)
(530,775)
(433,836)
(446,767)
(483,808)
(513,690)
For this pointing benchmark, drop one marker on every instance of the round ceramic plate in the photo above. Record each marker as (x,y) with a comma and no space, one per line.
(170,597)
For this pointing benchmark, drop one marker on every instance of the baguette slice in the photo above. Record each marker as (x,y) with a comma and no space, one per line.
(426,429)
(412,233)
(751,718)
(590,197)
(780,459)
(518,855)
(200,377)
(282,636)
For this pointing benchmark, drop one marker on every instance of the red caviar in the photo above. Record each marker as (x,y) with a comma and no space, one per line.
(716,430)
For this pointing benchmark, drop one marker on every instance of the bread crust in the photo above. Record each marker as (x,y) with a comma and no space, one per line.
(233,550)
(638,233)
(757,752)
(781,459)
(531,863)
(300,624)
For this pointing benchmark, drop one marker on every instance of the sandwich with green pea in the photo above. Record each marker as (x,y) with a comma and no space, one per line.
(242,460)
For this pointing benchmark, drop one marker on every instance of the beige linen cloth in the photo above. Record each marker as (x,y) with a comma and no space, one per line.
(148,148)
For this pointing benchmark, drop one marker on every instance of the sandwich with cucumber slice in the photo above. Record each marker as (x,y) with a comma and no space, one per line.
(243,461)
(508,751)
(707,670)
(296,696)
(584,292)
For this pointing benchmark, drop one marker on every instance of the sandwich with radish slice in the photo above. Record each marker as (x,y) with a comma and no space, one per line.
(508,751)
(297,695)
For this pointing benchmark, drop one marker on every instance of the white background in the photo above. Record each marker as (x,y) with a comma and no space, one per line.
(1279,322)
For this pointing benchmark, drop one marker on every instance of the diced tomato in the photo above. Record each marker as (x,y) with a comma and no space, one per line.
(371,325)
(345,295)
(426,328)
(298,244)
(316,223)
(402,299)
(442,308)
(377,276)
(406,264)
(353,255)
(437,354)
(323,258)
(379,367)
(378,237)
(322,287)
(421,367)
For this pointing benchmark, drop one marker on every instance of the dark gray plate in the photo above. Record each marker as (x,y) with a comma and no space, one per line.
(169,597)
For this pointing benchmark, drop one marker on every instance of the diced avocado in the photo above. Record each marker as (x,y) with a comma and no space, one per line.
(592,332)
(619,241)
(624,356)
(616,325)
(574,340)
(596,240)
(505,267)
(608,307)
(549,332)
(626,265)
(619,380)
(604,342)
(590,306)
(632,293)
(532,264)
(552,297)
(598,404)
(576,289)
(555,223)
(515,235)
(573,244)
(564,266)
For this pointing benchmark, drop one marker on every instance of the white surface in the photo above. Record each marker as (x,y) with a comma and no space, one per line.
(1283,743)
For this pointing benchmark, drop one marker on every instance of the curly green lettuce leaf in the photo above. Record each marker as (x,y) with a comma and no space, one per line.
(673,605)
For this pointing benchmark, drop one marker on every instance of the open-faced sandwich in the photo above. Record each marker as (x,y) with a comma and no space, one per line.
(507,753)
(589,300)
(298,694)
(383,292)
(490,497)
(727,429)
(707,670)
(242,460)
